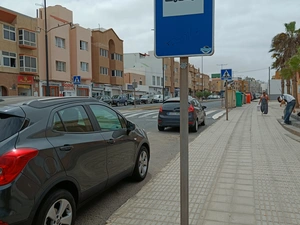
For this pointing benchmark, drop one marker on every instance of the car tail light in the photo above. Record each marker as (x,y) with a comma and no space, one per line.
(3,223)
(160,109)
(191,108)
(13,162)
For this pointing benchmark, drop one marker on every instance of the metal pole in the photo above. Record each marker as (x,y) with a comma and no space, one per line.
(202,78)
(163,80)
(134,102)
(184,144)
(46,50)
(270,82)
(226,99)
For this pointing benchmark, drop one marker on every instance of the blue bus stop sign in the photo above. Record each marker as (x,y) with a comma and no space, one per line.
(184,28)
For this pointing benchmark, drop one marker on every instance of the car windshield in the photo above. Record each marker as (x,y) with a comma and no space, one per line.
(115,96)
(10,124)
(145,96)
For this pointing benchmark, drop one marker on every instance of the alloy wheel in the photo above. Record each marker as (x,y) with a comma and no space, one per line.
(60,213)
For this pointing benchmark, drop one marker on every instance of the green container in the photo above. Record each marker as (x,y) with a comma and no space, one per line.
(239,99)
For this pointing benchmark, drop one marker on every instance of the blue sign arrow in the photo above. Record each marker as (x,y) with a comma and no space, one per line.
(184,28)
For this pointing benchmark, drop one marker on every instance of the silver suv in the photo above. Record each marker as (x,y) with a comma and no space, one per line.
(147,99)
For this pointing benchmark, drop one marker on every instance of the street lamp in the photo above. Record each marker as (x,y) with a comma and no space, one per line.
(46,45)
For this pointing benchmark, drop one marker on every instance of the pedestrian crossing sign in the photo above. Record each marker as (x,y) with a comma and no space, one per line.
(76,80)
(226,74)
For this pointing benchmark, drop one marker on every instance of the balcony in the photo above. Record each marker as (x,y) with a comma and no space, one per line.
(28,65)
(28,71)
(117,80)
(27,39)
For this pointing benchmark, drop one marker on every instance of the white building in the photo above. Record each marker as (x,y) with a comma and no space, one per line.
(146,64)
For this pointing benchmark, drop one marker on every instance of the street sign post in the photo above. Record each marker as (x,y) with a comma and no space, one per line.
(226,75)
(76,80)
(184,28)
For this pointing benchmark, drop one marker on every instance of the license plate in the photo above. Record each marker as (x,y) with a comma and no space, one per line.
(174,113)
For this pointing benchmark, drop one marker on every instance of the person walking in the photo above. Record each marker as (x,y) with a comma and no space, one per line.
(290,103)
(263,102)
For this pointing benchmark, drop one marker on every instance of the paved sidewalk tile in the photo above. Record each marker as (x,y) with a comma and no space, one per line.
(241,171)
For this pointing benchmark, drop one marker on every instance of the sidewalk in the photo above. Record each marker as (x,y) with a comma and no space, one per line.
(242,171)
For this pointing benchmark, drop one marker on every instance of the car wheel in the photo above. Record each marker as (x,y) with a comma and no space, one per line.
(195,127)
(125,103)
(203,122)
(141,165)
(58,208)
(117,104)
(160,128)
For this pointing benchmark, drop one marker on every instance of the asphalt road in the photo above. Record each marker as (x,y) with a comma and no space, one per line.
(164,147)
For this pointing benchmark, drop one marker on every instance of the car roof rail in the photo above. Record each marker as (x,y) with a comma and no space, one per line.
(51,101)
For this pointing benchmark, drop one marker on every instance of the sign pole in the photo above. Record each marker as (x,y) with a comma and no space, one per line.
(184,142)
(226,99)
(134,97)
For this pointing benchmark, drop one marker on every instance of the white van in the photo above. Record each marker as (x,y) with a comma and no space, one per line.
(157,98)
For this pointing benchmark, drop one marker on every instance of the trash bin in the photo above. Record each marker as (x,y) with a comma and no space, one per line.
(239,99)
(248,98)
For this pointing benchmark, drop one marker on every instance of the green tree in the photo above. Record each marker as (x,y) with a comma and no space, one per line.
(294,65)
(283,47)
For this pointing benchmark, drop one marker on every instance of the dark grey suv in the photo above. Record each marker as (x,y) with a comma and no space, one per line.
(56,153)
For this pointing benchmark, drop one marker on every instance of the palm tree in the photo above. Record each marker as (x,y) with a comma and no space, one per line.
(283,47)
(294,65)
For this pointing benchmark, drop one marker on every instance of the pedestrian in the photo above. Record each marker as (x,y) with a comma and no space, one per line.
(290,103)
(263,102)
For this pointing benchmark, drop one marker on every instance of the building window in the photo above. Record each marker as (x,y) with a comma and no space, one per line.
(28,64)
(103,52)
(27,38)
(84,66)
(59,42)
(116,56)
(158,80)
(141,82)
(162,80)
(9,33)
(60,66)
(9,59)
(153,80)
(117,73)
(83,45)
(104,70)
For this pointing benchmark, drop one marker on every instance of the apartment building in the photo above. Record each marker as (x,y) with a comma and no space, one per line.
(107,62)
(134,82)
(19,69)
(169,76)
(69,53)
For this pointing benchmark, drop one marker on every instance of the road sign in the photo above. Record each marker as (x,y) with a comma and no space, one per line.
(226,74)
(77,80)
(184,28)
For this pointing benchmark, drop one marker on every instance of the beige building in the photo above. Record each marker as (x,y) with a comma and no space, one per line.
(18,54)
(107,62)
(69,53)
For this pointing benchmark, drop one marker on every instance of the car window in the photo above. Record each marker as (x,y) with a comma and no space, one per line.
(171,106)
(106,117)
(73,119)
(9,125)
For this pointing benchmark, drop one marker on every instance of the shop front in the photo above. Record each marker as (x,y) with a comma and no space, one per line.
(68,89)
(53,86)
(97,90)
(83,90)
(25,85)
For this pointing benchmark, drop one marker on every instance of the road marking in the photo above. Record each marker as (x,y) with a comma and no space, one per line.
(210,112)
(132,115)
(217,115)
(148,114)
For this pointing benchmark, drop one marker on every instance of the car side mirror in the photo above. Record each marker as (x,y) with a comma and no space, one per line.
(203,107)
(130,126)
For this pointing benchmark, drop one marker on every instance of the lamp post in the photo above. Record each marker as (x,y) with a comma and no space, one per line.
(163,83)
(46,45)
(202,78)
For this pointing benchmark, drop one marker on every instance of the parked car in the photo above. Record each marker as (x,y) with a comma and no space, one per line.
(169,114)
(119,100)
(56,153)
(158,98)
(147,99)
(131,100)
(105,98)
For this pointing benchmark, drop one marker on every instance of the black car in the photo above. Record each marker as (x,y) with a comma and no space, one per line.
(105,98)
(169,114)
(131,100)
(56,153)
(119,100)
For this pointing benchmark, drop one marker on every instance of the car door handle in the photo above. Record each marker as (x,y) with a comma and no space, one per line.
(111,141)
(66,148)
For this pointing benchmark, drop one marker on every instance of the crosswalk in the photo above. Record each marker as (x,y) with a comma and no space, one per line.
(153,114)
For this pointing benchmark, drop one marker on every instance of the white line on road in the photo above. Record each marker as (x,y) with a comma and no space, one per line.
(148,114)
(217,115)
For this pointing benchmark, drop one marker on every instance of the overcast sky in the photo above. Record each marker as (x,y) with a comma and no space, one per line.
(243,29)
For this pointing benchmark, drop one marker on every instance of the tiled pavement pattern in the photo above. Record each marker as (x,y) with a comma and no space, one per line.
(242,171)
